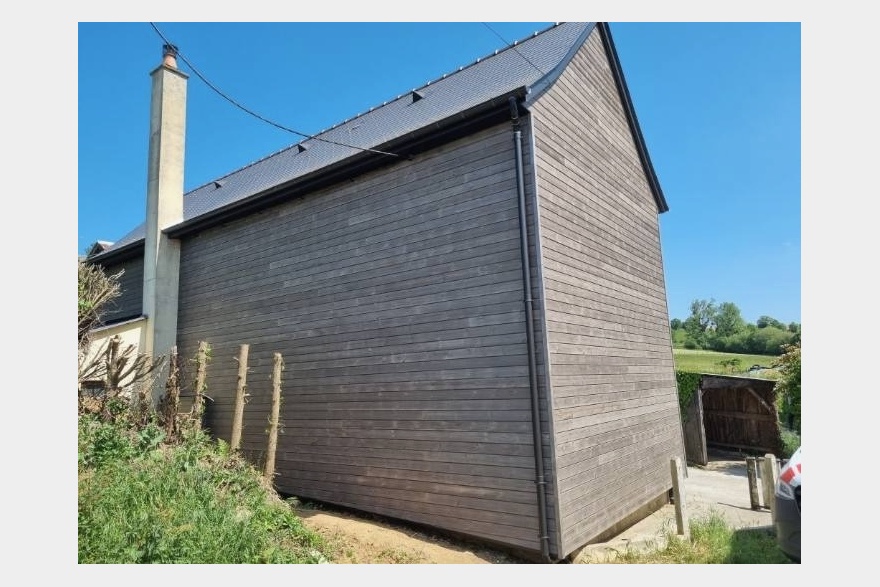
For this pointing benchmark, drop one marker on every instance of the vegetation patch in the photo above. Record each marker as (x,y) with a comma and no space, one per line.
(712,541)
(143,500)
(703,361)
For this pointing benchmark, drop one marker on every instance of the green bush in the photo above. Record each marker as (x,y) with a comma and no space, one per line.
(791,440)
(142,501)
(788,390)
(687,386)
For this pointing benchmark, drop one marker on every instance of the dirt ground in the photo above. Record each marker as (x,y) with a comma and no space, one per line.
(365,539)
(357,538)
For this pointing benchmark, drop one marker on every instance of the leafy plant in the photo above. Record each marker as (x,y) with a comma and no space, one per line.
(731,365)
(791,440)
(688,383)
(788,387)
(144,501)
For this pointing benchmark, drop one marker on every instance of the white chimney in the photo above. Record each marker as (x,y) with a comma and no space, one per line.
(164,208)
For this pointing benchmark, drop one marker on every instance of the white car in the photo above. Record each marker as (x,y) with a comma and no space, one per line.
(787,513)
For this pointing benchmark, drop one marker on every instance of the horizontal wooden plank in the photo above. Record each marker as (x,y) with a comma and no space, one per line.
(451,519)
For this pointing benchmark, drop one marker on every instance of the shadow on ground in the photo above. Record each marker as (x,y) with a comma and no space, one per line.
(749,545)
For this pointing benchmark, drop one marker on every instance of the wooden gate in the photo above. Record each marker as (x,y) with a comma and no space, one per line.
(740,413)
(694,432)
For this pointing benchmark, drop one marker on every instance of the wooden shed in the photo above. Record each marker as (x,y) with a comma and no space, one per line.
(733,413)
(475,330)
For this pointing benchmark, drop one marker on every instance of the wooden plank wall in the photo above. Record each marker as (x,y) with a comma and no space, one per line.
(613,388)
(396,301)
(740,413)
(130,302)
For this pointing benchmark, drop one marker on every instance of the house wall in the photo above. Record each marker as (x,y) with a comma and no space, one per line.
(615,407)
(130,332)
(131,282)
(396,300)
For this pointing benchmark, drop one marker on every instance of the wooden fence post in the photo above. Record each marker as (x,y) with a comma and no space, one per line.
(769,475)
(201,374)
(269,472)
(752,470)
(169,403)
(681,517)
(238,416)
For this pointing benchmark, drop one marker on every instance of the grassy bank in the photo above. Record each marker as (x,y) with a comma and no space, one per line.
(144,501)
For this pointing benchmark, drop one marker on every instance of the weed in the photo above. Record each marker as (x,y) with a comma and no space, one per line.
(712,541)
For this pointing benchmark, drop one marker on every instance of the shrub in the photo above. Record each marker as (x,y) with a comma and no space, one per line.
(788,386)
(791,440)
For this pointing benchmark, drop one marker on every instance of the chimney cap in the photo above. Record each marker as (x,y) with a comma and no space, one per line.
(169,55)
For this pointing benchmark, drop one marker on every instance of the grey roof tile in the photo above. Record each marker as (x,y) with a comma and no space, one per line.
(523,64)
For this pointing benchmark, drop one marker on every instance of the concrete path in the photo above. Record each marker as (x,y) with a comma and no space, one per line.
(722,486)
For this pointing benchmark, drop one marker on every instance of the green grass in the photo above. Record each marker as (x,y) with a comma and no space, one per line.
(712,541)
(700,361)
(142,501)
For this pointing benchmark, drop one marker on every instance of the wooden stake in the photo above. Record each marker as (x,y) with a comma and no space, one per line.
(681,517)
(269,472)
(170,402)
(201,375)
(752,470)
(238,416)
(769,475)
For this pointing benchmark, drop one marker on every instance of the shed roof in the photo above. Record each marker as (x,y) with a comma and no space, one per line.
(534,62)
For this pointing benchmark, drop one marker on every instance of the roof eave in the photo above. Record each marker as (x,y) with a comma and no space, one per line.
(408,145)
(123,253)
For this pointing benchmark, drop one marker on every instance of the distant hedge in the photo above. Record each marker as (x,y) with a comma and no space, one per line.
(687,385)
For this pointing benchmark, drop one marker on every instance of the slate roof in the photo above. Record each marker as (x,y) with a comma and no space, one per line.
(530,63)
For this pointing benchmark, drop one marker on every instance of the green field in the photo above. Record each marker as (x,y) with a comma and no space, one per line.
(699,361)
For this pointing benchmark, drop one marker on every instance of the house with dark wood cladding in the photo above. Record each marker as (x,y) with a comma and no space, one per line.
(466,285)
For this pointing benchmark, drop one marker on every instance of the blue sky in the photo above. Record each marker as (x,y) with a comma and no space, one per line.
(719,105)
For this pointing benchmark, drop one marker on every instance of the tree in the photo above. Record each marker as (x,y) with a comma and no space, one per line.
(109,363)
(765,321)
(728,319)
(788,387)
(675,324)
(96,291)
(703,314)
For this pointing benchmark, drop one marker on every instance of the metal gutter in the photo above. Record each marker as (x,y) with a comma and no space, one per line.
(545,334)
(537,436)
(408,146)
(494,111)
(119,322)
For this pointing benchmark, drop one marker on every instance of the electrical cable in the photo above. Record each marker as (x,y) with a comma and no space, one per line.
(254,114)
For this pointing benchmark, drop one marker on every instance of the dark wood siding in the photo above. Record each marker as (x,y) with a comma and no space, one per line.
(130,302)
(397,303)
(614,399)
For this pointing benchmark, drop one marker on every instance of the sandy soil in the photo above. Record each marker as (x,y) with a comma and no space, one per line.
(365,539)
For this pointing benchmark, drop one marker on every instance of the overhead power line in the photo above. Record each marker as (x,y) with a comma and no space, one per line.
(256,115)
(512,46)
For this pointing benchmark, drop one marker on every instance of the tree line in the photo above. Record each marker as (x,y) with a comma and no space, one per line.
(721,327)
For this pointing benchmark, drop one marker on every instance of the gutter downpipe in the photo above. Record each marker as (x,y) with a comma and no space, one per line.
(540,482)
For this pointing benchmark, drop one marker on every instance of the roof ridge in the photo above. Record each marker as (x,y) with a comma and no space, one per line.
(317,135)
(442,77)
